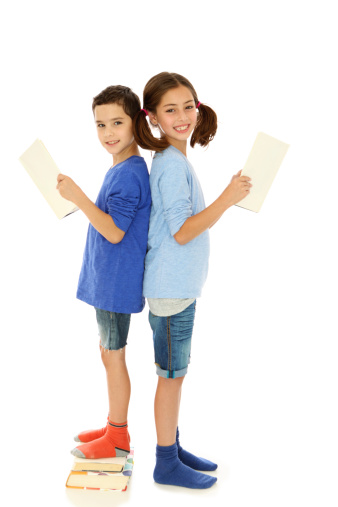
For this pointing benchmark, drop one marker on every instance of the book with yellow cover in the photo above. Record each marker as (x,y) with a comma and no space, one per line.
(262,165)
(44,172)
(102,480)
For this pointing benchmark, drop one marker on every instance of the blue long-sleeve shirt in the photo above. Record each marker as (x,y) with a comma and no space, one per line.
(111,277)
(173,270)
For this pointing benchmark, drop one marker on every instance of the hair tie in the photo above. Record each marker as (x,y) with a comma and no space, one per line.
(146,112)
(198,105)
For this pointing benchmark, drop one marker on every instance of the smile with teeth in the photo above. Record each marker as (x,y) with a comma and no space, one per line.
(182,128)
(112,142)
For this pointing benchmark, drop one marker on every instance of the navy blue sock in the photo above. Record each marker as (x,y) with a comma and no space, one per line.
(170,470)
(193,461)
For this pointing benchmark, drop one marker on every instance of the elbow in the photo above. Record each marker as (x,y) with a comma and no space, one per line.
(180,239)
(113,233)
(116,238)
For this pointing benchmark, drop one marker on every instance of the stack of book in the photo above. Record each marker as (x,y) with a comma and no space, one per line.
(107,474)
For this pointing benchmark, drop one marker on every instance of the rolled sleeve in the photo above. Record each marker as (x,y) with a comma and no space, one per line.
(123,201)
(176,197)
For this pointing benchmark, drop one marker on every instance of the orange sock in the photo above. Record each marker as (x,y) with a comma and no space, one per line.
(115,442)
(89,435)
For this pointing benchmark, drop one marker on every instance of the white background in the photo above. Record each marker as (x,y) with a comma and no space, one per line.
(261,393)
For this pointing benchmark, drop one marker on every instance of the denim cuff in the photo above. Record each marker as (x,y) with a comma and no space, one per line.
(170,373)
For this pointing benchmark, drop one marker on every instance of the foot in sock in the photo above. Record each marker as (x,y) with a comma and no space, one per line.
(89,435)
(170,470)
(115,442)
(193,461)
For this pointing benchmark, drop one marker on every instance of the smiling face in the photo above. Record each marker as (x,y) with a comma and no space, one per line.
(176,116)
(114,130)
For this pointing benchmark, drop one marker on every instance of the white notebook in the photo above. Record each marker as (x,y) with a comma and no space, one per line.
(262,165)
(44,172)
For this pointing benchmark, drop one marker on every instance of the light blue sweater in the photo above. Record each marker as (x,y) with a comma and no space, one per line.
(173,270)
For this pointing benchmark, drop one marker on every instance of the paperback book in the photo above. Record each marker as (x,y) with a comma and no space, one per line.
(262,165)
(44,172)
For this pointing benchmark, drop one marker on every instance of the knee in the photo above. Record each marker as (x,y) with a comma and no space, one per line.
(171,383)
(111,357)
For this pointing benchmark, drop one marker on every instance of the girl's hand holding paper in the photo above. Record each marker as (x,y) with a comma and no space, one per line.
(238,188)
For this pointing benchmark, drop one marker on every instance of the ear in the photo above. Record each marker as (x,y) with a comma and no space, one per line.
(152,118)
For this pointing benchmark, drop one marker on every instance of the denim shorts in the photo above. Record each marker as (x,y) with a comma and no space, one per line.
(113,329)
(172,342)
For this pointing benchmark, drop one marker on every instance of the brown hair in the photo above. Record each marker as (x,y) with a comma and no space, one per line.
(121,95)
(157,86)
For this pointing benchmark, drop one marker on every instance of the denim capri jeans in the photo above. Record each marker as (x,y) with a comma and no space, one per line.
(172,342)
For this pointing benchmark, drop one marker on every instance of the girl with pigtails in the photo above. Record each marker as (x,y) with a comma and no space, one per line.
(176,263)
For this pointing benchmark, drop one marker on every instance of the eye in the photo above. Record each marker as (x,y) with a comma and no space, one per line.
(118,123)
(100,125)
(170,110)
(189,107)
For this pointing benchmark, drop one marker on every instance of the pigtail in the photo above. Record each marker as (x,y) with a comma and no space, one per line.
(143,135)
(206,126)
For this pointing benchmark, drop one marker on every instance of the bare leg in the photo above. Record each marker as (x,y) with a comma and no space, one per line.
(167,405)
(118,383)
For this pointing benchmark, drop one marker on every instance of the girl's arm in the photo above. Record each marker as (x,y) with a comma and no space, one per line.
(100,220)
(238,188)
(214,223)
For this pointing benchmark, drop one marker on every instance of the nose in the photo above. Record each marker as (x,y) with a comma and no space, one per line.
(108,131)
(182,114)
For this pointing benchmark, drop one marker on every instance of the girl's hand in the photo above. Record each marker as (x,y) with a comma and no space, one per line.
(68,188)
(238,188)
